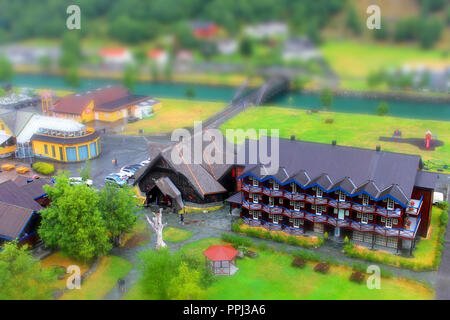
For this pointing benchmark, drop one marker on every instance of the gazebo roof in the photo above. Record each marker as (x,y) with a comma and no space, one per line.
(220,253)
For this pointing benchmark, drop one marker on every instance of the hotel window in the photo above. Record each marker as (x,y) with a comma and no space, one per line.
(275,218)
(319,193)
(294,187)
(364,218)
(341,195)
(271,202)
(45,149)
(347,213)
(53,152)
(395,221)
(255,182)
(341,214)
(365,199)
(296,205)
(319,210)
(254,214)
(388,222)
(383,219)
(390,204)
(297,222)
(276,185)
(280,201)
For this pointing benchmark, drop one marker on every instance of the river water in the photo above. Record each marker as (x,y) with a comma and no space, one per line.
(406,109)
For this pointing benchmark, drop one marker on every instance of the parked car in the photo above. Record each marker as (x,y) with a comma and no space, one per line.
(115,179)
(132,119)
(438,197)
(129,170)
(79,180)
(145,162)
(122,176)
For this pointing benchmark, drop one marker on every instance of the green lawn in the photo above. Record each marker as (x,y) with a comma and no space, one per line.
(271,277)
(101,281)
(353,60)
(173,114)
(355,130)
(176,235)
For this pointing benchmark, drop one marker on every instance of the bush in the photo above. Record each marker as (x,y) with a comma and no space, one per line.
(383,109)
(299,263)
(346,240)
(325,235)
(322,268)
(237,241)
(443,218)
(235,227)
(357,276)
(44,168)
(443,205)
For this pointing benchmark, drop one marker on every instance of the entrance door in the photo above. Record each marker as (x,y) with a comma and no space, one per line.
(337,232)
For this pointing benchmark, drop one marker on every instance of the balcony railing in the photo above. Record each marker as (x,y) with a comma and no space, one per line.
(414,209)
(342,223)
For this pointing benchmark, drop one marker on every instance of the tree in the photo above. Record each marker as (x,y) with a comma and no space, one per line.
(21,276)
(158,227)
(246,47)
(45,63)
(158,268)
(190,93)
(353,22)
(326,98)
(186,285)
(85,171)
(429,32)
(140,56)
(130,77)
(6,69)
(154,72)
(383,109)
(72,77)
(73,222)
(71,55)
(118,207)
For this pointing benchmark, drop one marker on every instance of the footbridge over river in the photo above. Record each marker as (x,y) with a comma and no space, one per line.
(243,98)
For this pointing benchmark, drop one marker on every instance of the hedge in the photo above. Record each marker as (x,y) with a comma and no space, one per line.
(44,168)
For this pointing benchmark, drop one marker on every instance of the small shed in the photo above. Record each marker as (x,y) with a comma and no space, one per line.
(221,259)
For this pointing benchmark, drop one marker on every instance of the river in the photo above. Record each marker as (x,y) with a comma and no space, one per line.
(398,108)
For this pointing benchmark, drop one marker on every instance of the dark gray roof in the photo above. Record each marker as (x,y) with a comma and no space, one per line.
(353,169)
(235,198)
(13,194)
(167,187)
(13,220)
(426,179)
(35,188)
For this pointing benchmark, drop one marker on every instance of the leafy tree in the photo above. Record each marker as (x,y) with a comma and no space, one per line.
(21,276)
(158,268)
(353,22)
(118,207)
(326,98)
(73,221)
(72,77)
(428,6)
(383,109)
(429,32)
(130,75)
(313,31)
(246,47)
(85,171)
(140,55)
(6,69)
(190,93)
(186,285)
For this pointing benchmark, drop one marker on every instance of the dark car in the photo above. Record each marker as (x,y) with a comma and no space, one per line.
(133,119)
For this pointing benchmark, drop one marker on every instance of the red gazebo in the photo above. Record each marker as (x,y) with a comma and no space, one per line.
(221,259)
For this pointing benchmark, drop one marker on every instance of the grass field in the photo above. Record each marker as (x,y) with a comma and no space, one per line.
(139,236)
(101,281)
(355,130)
(174,114)
(424,254)
(176,235)
(271,276)
(353,61)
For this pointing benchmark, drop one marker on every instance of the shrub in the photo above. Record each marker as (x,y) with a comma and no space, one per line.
(235,227)
(346,240)
(237,241)
(383,109)
(322,268)
(325,235)
(299,263)
(443,219)
(263,246)
(443,205)
(44,168)
(357,276)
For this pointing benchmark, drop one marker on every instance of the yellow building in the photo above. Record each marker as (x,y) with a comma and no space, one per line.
(103,104)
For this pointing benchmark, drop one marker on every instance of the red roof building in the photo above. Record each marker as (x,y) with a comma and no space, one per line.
(221,259)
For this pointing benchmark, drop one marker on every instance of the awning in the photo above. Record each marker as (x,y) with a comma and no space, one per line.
(4,137)
(168,188)
(235,198)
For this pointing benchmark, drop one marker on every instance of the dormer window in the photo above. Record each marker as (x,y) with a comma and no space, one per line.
(319,193)
(255,182)
(365,199)
(294,187)
(341,195)
(390,204)
(276,185)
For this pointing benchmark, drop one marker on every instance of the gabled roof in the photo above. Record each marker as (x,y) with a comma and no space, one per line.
(167,187)
(354,170)
(220,253)
(13,219)
(12,194)
(76,103)
(35,188)
(15,120)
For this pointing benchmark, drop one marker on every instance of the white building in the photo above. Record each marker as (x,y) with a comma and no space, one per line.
(267,30)
(300,49)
